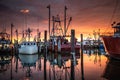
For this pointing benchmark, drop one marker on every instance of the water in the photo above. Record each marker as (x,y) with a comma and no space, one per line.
(54,66)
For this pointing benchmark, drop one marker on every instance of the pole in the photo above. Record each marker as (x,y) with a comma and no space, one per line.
(16,64)
(26,20)
(11,31)
(82,65)
(53,25)
(65,21)
(73,41)
(17,35)
(49,18)
(11,77)
(16,43)
(45,72)
(73,54)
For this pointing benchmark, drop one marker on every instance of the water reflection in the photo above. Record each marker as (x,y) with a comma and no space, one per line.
(60,66)
(54,66)
(27,63)
(5,64)
(112,70)
(95,54)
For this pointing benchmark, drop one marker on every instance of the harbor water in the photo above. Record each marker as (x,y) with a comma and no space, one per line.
(56,66)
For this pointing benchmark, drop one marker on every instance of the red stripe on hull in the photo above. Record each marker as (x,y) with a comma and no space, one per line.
(67,48)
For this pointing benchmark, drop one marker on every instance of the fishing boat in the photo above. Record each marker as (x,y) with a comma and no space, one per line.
(58,41)
(5,43)
(112,43)
(27,46)
(62,45)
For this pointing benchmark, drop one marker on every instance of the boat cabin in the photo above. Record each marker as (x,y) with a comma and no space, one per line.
(117,30)
(28,43)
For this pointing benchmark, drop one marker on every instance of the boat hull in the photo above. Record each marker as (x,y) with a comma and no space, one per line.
(65,48)
(6,49)
(28,48)
(61,45)
(112,45)
(3,51)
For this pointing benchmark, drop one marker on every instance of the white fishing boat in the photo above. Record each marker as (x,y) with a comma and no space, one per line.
(28,47)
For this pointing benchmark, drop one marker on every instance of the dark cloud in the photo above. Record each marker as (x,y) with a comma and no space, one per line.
(3,7)
(84,12)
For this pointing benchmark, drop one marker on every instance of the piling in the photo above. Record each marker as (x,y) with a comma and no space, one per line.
(16,67)
(16,43)
(45,54)
(73,54)
(11,31)
(82,59)
(53,19)
(11,71)
(45,41)
(39,47)
(12,36)
(65,21)
(53,45)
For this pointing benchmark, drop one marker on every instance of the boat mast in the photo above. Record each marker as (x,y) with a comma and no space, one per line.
(53,30)
(11,31)
(23,34)
(17,34)
(65,9)
(29,31)
(25,12)
(49,18)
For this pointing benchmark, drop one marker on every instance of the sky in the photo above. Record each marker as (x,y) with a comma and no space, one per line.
(87,15)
